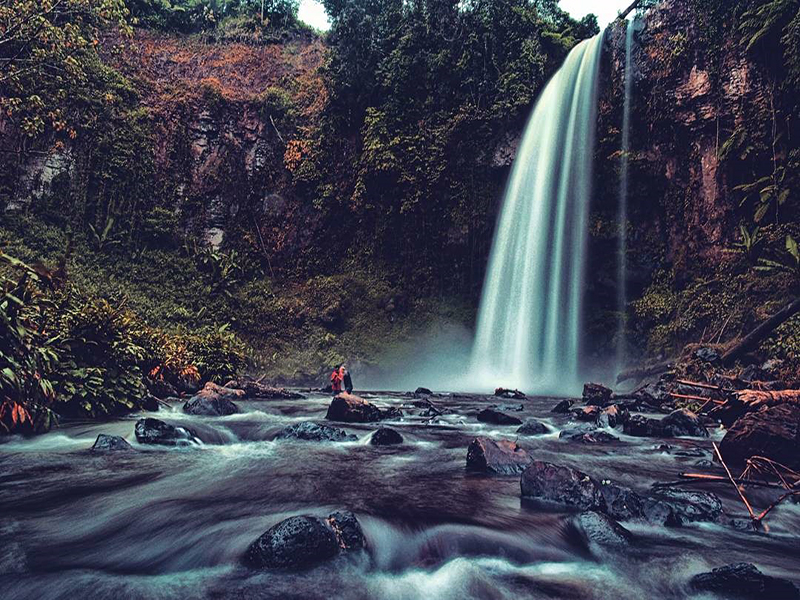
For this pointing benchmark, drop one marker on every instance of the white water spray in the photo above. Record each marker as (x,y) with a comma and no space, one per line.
(529,324)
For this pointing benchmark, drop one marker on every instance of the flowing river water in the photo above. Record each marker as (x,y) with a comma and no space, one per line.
(174,522)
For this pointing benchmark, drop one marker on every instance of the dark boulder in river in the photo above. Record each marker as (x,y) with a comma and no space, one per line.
(154,431)
(495,417)
(772,432)
(640,426)
(532,427)
(209,406)
(683,422)
(506,393)
(562,407)
(502,457)
(613,416)
(587,413)
(563,485)
(386,436)
(212,391)
(596,394)
(110,443)
(352,409)
(255,389)
(422,391)
(744,580)
(592,528)
(305,541)
(313,432)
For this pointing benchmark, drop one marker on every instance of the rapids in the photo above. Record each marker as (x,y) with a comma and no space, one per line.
(174,522)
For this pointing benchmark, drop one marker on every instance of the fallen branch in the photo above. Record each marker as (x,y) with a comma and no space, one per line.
(624,14)
(697,384)
(697,398)
(767,510)
(753,339)
(736,485)
(640,373)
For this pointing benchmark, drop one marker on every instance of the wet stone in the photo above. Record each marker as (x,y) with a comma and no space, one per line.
(744,580)
(532,427)
(386,436)
(313,432)
(110,443)
(495,417)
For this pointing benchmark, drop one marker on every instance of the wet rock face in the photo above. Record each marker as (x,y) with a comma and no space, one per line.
(772,432)
(640,426)
(744,580)
(562,407)
(348,408)
(256,389)
(501,457)
(683,422)
(513,394)
(210,406)
(676,507)
(154,431)
(532,427)
(386,436)
(313,432)
(212,391)
(563,485)
(592,528)
(613,416)
(621,502)
(495,417)
(589,437)
(110,443)
(305,541)
(587,413)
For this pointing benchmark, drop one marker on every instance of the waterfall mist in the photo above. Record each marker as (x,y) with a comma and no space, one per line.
(529,324)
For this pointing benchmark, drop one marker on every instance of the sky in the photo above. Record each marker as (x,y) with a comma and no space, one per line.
(312,12)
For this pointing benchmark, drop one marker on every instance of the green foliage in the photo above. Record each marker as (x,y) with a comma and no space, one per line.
(190,16)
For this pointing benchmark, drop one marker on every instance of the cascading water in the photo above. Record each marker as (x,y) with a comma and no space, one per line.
(622,219)
(529,323)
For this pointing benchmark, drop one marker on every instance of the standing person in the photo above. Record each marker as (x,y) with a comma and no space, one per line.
(336,380)
(346,379)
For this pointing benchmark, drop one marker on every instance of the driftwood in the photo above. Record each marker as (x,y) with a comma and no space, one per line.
(624,14)
(753,339)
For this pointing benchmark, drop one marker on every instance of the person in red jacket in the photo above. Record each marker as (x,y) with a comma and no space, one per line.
(336,381)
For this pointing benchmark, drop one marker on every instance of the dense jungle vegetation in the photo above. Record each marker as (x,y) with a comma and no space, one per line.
(371,215)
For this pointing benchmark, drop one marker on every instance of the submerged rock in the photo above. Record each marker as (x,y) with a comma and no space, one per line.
(154,431)
(596,394)
(305,541)
(744,580)
(594,528)
(386,436)
(313,432)
(110,443)
(675,507)
(506,393)
(502,457)
(532,427)
(352,409)
(590,437)
(772,432)
(209,406)
(564,485)
(620,502)
(495,417)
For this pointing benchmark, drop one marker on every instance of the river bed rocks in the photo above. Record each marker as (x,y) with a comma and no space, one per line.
(155,431)
(255,390)
(678,423)
(563,406)
(676,507)
(596,394)
(533,427)
(563,485)
(210,405)
(592,528)
(305,541)
(500,457)
(313,432)
(348,408)
(212,391)
(772,432)
(744,580)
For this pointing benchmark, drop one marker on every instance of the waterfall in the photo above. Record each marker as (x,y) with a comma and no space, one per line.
(529,323)
(622,218)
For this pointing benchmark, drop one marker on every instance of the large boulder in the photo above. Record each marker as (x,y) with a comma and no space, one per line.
(772,432)
(304,541)
(210,406)
(613,416)
(563,485)
(596,394)
(744,580)
(587,413)
(675,507)
(386,436)
(255,389)
(532,427)
(683,422)
(502,457)
(621,503)
(507,393)
(155,431)
(562,407)
(640,426)
(588,437)
(495,417)
(313,432)
(110,443)
(352,409)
